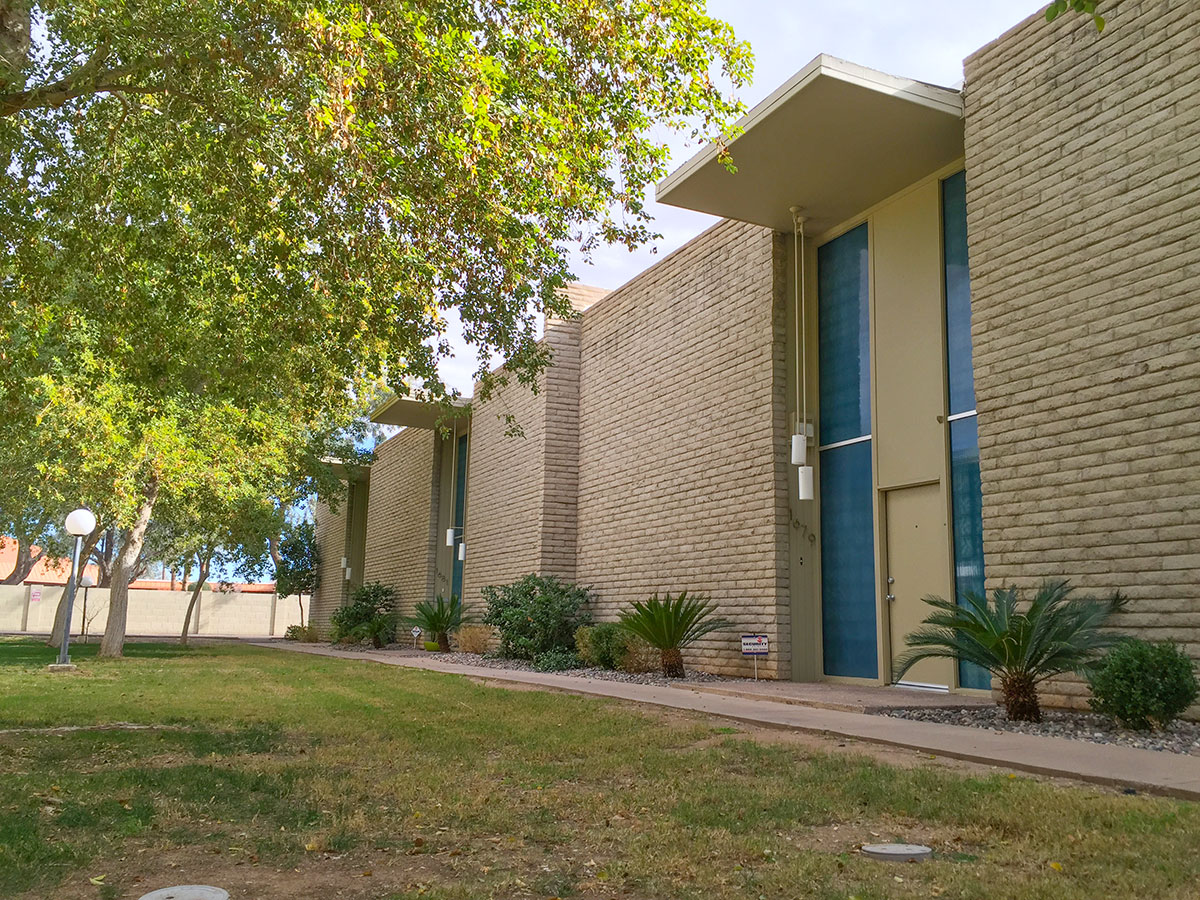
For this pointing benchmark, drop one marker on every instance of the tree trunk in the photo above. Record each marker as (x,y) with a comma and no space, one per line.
(187,619)
(15,21)
(113,642)
(300,603)
(60,612)
(443,639)
(672,663)
(1021,698)
(25,559)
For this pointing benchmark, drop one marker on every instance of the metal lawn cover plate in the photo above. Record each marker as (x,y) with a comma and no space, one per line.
(897,852)
(188,892)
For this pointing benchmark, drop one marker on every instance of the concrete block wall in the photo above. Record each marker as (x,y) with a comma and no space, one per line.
(682,459)
(400,544)
(521,504)
(1083,179)
(330,527)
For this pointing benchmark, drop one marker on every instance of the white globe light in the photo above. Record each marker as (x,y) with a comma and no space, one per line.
(81,522)
(87,581)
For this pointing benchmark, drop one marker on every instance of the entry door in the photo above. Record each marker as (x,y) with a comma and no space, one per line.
(917,566)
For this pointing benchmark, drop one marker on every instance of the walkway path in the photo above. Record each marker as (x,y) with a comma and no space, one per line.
(1147,770)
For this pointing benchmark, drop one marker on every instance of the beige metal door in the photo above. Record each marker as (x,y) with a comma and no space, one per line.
(917,566)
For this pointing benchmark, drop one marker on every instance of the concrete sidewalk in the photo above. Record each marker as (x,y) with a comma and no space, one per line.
(1152,771)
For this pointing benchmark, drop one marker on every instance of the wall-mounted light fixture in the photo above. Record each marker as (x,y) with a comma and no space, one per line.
(803,430)
(462,551)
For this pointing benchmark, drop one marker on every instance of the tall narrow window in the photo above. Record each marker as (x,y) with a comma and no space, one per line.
(847,519)
(460,506)
(966,493)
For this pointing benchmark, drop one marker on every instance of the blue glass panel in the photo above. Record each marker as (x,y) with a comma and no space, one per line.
(966,496)
(958,293)
(848,562)
(460,504)
(843,287)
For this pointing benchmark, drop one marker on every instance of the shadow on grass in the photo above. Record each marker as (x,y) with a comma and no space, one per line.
(34,652)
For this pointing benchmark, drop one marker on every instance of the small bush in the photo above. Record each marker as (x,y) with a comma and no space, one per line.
(1144,685)
(474,639)
(370,615)
(306,634)
(556,661)
(671,623)
(602,645)
(438,619)
(536,614)
(639,656)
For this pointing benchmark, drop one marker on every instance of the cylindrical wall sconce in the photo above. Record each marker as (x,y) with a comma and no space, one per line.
(799,450)
(450,536)
(462,551)
(806,482)
(347,573)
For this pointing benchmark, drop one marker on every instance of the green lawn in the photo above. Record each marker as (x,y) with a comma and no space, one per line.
(281,775)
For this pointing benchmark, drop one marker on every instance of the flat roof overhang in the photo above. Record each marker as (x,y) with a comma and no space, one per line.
(416,413)
(835,139)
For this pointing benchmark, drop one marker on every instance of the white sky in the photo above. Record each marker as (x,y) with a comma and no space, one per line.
(925,40)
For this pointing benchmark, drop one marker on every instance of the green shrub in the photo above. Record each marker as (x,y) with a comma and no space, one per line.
(304,633)
(556,660)
(1144,685)
(671,623)
(536,614)
(438,619)
(604,645)
(1020,645)
(370,615)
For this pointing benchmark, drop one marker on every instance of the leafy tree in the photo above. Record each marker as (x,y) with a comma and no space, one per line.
(1088,7)
(297,562)
(223,225)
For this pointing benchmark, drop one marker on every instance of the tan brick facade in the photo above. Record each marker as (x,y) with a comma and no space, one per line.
(1083,169)
(682,478)
(521,506)
(330,529)
(401,539)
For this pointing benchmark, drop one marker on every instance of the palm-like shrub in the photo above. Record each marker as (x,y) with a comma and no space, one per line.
(1058,633)
(438,618)
(670,624)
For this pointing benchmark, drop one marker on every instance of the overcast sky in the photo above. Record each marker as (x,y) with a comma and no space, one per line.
(925,40)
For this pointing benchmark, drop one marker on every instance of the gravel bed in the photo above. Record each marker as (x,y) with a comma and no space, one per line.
(692,676)
(1181,737)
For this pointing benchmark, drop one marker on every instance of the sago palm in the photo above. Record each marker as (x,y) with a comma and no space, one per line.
(1056,634)
(670,624)
(438,619)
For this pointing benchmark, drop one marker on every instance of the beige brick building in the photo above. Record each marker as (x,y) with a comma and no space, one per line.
(975,309)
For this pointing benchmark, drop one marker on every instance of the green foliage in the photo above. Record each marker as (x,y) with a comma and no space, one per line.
(299,560)
(605,645)
(1144,685)
(370,615)
(536,614)
(1056,634)
(438,619)
(225,227)
(672,623)
(556,660)
(669,624)
(306,634)
(1088,7)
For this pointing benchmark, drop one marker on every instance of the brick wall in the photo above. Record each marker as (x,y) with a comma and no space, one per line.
(1083,172)
(521,504)
(682,437)
(330,530)
(401,540)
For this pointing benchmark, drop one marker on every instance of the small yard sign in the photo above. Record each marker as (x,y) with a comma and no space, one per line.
(754,646)
(35,595)
(416,633)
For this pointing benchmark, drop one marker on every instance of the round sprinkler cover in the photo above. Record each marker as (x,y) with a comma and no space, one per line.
(897,852)
(188,892)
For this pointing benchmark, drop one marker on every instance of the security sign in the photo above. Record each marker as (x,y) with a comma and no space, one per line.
(754,645)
